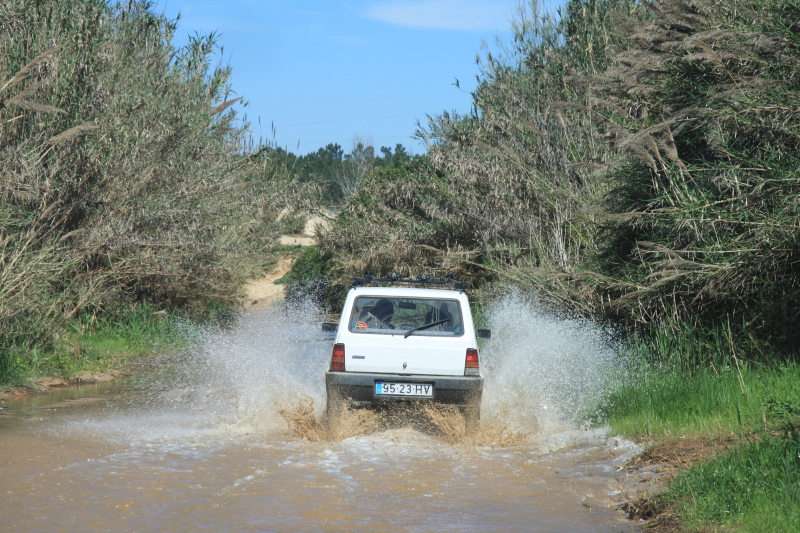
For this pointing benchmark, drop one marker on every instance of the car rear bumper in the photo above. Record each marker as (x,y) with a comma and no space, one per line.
(359,387)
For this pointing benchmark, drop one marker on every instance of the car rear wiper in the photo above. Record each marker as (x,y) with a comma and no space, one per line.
(424,326)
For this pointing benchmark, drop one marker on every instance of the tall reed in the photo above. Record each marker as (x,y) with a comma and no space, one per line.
(632,161)
(124,171)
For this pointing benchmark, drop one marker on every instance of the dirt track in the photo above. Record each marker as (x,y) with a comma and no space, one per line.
(261,292)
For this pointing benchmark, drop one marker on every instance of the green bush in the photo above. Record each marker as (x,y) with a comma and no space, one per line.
(631,161)
(501,189)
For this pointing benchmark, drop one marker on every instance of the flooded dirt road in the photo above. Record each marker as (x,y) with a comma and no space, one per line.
(225,437)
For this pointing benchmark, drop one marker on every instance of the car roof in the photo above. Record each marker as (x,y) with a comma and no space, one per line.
(410,292)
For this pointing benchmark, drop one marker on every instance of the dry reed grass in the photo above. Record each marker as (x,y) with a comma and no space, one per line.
(632,160)
(124,173)
(504,189)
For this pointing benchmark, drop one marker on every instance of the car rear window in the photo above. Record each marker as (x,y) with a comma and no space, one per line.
(377,314)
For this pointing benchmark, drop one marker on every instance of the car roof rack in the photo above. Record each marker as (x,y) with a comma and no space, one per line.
(422,280)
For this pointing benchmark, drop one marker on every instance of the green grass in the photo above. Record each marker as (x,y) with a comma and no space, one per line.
(64,360)
(672,404)
(755,485)
(752,488)
(99,344)
(137,330)
(709,379)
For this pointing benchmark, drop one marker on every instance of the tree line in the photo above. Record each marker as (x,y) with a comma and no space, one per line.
(338,174)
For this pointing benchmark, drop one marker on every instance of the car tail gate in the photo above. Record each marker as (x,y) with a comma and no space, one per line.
(412,355)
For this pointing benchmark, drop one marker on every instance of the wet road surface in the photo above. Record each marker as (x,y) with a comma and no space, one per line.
(207,442)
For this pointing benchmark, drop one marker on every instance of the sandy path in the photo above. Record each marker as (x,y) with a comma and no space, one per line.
(262,292)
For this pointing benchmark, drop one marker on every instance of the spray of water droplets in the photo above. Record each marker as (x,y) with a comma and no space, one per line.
(270,360)
(234,380)
(544,373)
(265,372)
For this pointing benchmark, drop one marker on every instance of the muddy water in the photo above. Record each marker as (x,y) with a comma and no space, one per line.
(226,438)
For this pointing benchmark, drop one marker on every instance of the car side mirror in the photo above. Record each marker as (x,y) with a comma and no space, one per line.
(329,326)
(484,334)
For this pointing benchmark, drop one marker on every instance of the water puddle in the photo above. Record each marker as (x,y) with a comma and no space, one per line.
(229,437)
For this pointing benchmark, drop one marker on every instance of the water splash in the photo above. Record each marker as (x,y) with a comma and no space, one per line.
(270,360)
(544,373)
(236,380)
(265,374)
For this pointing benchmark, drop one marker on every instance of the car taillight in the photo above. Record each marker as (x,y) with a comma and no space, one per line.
(472,366)
(337,358)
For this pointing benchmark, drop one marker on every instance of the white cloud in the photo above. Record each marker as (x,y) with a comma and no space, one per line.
(464,15)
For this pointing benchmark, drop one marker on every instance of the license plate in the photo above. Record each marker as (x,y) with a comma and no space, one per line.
(422,390)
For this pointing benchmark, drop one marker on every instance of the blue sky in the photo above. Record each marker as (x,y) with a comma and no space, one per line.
(327,71)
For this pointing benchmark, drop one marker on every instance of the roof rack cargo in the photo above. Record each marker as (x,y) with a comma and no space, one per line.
(423,280)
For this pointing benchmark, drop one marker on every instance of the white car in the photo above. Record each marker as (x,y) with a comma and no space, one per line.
(403,340)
